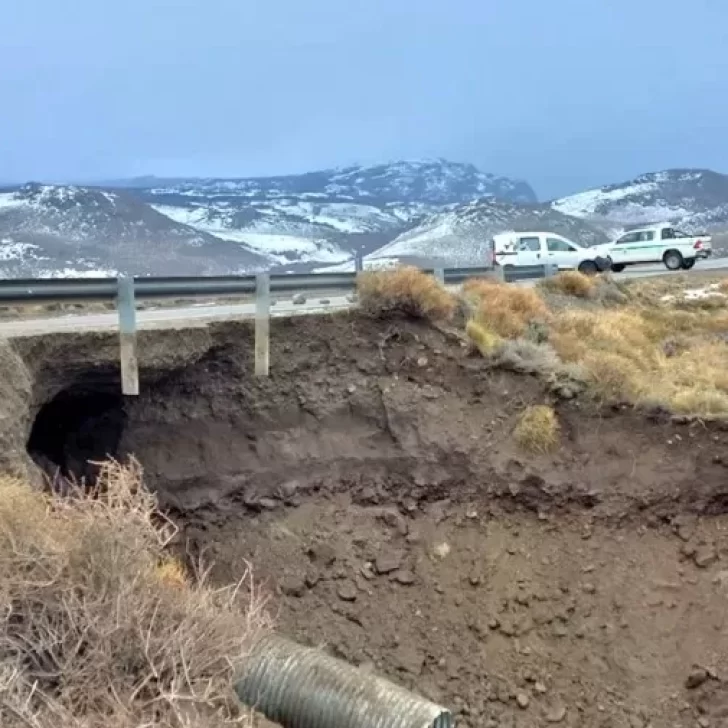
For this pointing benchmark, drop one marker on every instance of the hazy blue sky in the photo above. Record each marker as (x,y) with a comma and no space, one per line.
(565,93)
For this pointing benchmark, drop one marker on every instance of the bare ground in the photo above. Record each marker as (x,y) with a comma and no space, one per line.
(374,483)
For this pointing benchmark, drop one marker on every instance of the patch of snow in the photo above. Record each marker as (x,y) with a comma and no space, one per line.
(695,294)
(586,204)
(10,250)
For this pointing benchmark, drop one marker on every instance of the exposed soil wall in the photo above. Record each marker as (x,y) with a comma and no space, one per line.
(374,483)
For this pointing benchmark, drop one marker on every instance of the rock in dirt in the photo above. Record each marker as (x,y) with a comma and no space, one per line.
(555,714)
(293,586)
(405,577)
(346,591)
(298,299)
(323,554)
(697,676)
(388,562)
(705,556)
(523,700)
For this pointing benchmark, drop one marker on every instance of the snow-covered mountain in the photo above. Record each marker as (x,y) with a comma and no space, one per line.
(458,237)
(695,200)
(56,229)
(431,212)
(324,216)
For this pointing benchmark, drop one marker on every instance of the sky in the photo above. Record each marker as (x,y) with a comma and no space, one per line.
(567,94)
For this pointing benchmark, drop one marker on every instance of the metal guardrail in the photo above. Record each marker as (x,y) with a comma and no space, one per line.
(125,291)
(31,290)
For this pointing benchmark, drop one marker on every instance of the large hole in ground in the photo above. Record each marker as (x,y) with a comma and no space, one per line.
(76,428)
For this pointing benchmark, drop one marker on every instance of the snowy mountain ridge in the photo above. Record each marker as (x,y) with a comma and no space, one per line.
(695,200)
(421,211)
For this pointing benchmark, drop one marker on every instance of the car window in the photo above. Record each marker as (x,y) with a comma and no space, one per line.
(555,245)
(647,235)
(529,244)
(668,233)
(628,238)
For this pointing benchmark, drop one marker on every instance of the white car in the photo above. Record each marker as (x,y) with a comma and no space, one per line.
(542,248)
(659,244)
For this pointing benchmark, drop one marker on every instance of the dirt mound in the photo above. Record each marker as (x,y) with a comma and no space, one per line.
(375,482)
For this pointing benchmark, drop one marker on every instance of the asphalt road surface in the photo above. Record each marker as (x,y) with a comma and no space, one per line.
(203,313)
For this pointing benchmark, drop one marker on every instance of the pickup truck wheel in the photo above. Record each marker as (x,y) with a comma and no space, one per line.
(688,263)
(618,267)
(673,260)
(588,268)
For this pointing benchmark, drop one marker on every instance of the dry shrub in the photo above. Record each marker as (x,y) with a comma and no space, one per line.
(537,429)
(612,377)
(405,291)
(98,627)
(504,308)
(570,283)
(723,285)
(484,340)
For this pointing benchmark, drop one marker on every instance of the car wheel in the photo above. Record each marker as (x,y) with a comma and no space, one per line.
(673,260)
(588,268)
(688,263)
(618,267)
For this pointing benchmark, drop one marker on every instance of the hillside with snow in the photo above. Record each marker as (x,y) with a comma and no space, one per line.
(428,212)
(695,200)
(57,230)
(324,216)
(458,237)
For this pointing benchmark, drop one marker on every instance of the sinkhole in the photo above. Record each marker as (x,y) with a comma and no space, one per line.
(80,425)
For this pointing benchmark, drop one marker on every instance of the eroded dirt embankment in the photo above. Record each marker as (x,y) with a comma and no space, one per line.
(374,483)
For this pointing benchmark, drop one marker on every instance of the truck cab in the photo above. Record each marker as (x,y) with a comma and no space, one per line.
(544,248)
(659,244)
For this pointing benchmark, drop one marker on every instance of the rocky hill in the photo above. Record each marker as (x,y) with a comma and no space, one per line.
(324,216)
(432,211)
(69,230)
(694,199)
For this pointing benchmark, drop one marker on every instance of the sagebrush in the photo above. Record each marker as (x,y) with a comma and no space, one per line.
(99,626)
(405,291)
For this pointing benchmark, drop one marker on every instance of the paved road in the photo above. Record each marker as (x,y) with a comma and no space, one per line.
(201,314)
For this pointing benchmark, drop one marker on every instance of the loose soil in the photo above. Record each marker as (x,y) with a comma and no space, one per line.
(373,482)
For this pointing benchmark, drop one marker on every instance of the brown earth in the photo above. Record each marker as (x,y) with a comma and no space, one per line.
(374,484)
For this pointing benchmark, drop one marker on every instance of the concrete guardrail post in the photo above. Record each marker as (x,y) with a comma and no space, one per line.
(126,306)
(440,276)
(262,324)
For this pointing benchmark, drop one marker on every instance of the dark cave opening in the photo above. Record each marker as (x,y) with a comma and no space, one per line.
(79,426)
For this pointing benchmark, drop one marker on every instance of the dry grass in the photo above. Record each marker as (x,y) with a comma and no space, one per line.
(570,283)
(505,309)
(98,627)
(405,291)
(537,429)
(644,344)
(484,340)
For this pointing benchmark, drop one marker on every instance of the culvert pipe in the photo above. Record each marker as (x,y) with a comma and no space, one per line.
(302,687)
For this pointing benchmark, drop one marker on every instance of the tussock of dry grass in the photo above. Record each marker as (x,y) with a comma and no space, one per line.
(538,429)
(624,343)
(482,338)
(505,309)
(570,283)
(405,291)
(99,627)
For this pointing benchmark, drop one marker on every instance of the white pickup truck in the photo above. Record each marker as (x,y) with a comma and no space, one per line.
(659,244)
(539,248)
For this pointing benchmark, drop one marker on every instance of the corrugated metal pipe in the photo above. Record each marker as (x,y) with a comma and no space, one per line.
(302,687)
